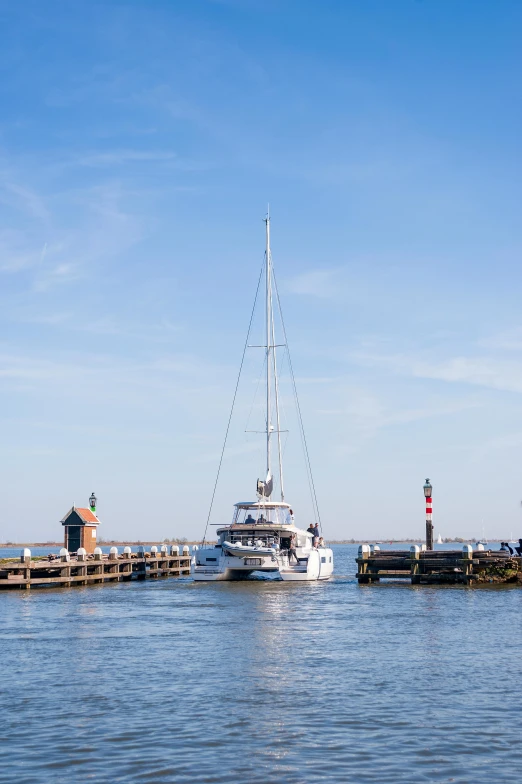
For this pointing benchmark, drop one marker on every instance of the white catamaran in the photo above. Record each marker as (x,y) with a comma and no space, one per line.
(262,536)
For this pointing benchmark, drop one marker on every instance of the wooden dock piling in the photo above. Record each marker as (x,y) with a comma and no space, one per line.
(83,569)
(422,566)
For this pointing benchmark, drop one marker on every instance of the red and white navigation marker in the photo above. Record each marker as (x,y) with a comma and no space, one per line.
(429,510)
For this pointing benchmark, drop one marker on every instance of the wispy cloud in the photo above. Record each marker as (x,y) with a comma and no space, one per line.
(25,199)
(315,283)
(507,340)
(302,380)
(119,157)
(365,414)
(488,372)
(60,274)
(86,226)
(230,453)
(105,377)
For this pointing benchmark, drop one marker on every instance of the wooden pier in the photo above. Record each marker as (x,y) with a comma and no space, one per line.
(82,569)
(438,566)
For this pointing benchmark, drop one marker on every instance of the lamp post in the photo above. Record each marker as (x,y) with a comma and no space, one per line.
(92,502)
(429,525)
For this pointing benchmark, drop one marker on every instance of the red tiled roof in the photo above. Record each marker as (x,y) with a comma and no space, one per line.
(86,515)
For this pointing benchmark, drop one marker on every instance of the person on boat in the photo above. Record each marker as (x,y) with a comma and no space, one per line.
(316,531)
(311,530)
(250,520)
(290,517)
(321,541)
(292,552)
(261,520)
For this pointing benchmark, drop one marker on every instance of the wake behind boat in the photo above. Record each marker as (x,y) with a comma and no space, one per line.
(263,536)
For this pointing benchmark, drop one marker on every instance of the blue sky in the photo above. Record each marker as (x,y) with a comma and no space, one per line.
(139,145)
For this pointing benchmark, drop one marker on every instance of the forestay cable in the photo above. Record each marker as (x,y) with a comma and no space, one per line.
(233,404)
(313,493)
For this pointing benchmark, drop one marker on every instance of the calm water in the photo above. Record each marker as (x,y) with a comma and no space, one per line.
(172,681)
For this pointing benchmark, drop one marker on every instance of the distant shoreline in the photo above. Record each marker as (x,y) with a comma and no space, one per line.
(102,544)
(457,540)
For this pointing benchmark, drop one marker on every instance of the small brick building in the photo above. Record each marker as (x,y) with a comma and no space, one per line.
(80,529)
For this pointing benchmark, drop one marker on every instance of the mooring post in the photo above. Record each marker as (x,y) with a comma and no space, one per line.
(65,572)
(127,554)
(142,564)
(467,559)
(25,558)
(98,557)
(186,550)
(114,568)
(415,563)
(153,569)
(81,556)
(164,553)
(163,563)
(363,554)
(174,549)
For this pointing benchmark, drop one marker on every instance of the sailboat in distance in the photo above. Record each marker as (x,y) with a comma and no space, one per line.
(263,536)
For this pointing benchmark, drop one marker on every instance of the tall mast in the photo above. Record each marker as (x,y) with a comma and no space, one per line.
(278,420)
(268,341)
(271,366)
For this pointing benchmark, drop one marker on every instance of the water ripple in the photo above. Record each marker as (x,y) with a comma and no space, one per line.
(172,681)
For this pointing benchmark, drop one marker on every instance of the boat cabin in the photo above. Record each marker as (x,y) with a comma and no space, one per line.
(262,513)
(263,524)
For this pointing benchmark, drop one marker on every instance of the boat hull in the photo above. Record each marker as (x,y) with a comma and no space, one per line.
(215,576)
(319,566)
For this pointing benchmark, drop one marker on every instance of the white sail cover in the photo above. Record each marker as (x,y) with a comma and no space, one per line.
(265,488)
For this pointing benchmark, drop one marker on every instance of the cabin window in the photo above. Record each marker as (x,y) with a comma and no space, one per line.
(323,559)
(210,559)
(330,559)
